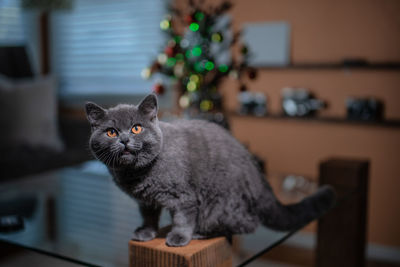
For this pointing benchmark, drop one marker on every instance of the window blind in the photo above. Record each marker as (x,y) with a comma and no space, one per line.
(101,46)
(11,23)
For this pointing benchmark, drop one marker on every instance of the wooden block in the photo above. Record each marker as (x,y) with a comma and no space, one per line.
(342,231)
(209,252)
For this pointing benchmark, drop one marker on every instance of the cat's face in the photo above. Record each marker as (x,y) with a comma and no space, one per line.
(125,135)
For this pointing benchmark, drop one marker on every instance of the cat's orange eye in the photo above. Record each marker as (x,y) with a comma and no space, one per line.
(111,133)
(137,129)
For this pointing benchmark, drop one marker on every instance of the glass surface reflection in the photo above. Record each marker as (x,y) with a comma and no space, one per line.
(80,215)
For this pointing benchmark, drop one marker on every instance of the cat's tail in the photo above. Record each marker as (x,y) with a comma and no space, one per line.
(281,217)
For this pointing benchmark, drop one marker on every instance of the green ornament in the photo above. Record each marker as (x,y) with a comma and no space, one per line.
(198,67)
(223,68)
(199,16)
(177,39)
(194,27)
(171,61)
(209,65)
(179,57)
(188,54)
(196,51)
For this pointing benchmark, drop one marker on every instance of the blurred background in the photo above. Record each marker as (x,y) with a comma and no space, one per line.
(297,82)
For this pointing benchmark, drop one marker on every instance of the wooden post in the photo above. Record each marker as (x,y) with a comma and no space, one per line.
(44,42)
(342,231)
(211,252)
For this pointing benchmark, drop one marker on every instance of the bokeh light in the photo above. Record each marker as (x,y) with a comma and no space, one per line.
(194,78)
(206,105)
(199,16)
(216,37)
(184,101)
(165,24)
(209,65)
(179,57)
(223,68)
(191,86)
(198,67)
(194,27)
(162,58)
(171,61)
(146,73)
(196,51)
(188,54)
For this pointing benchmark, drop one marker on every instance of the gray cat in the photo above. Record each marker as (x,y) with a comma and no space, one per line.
(196,170)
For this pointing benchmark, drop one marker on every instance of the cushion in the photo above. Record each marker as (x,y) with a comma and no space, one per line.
(28,113)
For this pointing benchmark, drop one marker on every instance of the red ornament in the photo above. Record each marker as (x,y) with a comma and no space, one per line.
(169,51)
(252,73)
(188,19)
(159,89)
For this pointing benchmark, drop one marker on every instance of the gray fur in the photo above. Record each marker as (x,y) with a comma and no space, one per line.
(196,170)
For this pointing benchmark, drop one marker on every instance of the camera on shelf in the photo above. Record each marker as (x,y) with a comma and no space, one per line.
(252,104)
(364,109)
(299,102)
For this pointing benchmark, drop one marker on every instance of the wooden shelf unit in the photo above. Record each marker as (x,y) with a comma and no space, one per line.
(337,120)
(340,66)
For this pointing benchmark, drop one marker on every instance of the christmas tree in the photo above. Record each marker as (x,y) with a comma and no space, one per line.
(198,56)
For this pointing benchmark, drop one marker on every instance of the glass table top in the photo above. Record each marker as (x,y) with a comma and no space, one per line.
(79,215)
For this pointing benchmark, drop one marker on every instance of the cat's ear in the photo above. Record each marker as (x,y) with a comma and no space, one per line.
(94,112)
(149,106)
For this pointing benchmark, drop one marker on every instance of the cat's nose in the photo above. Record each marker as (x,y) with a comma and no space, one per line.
(124,139)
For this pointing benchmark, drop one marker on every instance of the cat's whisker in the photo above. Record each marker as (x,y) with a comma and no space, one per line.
(102,156)
(105,157)
(115,160)
(112,160)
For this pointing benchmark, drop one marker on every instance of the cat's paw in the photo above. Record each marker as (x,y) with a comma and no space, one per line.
(177,239)
(144,234)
